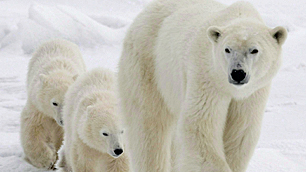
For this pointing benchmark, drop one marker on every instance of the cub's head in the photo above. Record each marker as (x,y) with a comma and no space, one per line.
(101,129)
(247,52)
(52,92)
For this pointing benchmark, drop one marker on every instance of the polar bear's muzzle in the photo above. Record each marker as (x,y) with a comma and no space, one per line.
(238,77)
(238,74)
(117,152)
(116,147)
(60,122)
(59,118)
(240,62)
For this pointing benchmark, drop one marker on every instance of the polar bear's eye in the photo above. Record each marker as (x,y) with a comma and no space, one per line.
(122,132)
(105,134)
(255,51)
(227,50)
(54,104)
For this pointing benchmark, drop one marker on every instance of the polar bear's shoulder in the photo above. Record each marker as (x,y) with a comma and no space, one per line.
(99,77)
(57,46)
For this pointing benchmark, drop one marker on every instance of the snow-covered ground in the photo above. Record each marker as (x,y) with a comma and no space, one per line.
(98,26)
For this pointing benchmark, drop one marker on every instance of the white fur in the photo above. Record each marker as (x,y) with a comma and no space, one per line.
(52,69)
(90,110)
(174,88)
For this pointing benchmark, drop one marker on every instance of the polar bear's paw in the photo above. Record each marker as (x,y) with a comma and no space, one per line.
(46,160)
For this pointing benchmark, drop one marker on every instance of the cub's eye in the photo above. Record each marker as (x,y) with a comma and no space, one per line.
(55,104)
(105,134)
(122,132)
(255,51)
(227,50)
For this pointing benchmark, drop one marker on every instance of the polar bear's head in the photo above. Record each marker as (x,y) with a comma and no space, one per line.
(247,52)
(52,91)
(100,127)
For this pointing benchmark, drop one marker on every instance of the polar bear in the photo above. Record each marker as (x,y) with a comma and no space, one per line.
(194,78)
(93,139)
(52,69)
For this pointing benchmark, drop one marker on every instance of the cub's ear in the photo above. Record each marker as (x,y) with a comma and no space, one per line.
(75,77)
(279,34)
(214,33)
(89,111)
(43,78)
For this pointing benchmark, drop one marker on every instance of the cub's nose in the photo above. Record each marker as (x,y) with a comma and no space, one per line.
(238,75)
(118,151)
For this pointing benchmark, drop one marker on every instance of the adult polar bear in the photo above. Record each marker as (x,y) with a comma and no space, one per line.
(194,78)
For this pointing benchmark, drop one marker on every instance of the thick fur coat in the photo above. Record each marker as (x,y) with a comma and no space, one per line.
(93,128)
(52,69)
(183,110)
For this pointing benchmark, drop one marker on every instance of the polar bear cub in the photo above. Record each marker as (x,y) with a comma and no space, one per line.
(52,69)
(93,131)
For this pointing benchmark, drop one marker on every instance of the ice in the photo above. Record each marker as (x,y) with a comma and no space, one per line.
(267,160)
(111,21)
(46,22)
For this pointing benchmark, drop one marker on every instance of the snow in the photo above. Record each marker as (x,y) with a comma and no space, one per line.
(98,27)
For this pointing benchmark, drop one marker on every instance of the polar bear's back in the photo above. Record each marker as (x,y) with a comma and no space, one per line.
(55,48)
(98,78)
(64,51)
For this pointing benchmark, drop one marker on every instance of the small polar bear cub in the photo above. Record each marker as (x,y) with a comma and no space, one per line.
(93,130)
(52,69)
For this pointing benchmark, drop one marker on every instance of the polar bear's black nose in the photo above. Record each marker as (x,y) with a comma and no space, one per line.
(238,75)
(118,151)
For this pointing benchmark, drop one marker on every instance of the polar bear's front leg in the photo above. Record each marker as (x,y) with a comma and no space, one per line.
(33,139)
(242,129)
(78,159)
(200,131)
(61,164)
(150,141)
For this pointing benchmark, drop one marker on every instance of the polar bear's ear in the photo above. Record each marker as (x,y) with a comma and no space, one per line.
(89,110)
(43,78)
(214,33)
(280,34)
(75,77)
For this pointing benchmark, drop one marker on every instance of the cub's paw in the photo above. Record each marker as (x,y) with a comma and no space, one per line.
(46,160)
